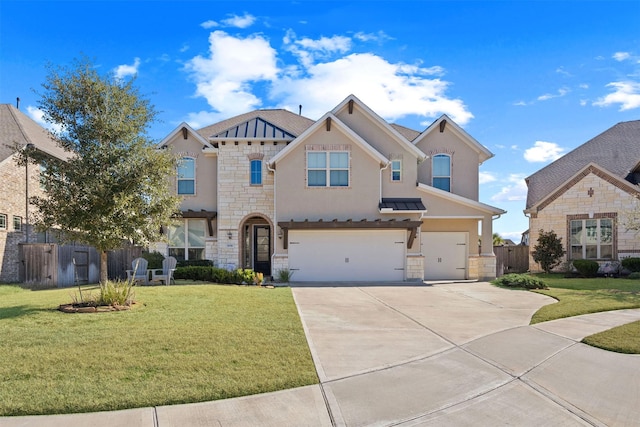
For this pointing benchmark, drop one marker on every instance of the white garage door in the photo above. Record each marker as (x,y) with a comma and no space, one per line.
(347,255)
(445,255)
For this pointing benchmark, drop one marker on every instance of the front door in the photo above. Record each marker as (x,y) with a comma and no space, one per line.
(262,249)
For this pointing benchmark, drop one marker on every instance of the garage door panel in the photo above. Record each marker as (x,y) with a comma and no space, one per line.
(348,255)
(445,255)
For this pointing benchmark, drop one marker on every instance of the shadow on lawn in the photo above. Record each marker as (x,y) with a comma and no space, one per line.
(19,311)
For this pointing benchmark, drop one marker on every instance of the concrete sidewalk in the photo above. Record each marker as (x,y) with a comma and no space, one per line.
(450,354)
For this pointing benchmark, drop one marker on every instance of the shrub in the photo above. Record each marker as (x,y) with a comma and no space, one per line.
(635,275)
(586,267)
(214,274)
(631,264)
(154,259)
(116,293)
(195,263)
(548,252)
(520,281)
(284,275)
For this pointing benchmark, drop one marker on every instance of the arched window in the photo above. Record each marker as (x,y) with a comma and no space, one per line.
(187,176)
(441,167)
(256,172)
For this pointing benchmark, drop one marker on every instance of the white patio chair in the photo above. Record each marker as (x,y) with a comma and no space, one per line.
(166,273)
(139,272)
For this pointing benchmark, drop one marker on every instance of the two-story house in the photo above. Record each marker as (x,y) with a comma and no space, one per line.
(348,197)
(19,132)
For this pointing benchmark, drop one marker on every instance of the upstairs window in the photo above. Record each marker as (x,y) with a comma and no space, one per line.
(591,238)
(396,170)
(328,169)
(3,221)
(17,223)
(187,176)
(441,166)
(256,172)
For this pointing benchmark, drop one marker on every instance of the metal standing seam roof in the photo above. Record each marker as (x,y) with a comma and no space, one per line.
(289,124)
(255,128)
(16,128)
(616,150)
(402,204)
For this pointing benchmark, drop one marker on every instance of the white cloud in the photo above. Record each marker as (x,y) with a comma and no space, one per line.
(543,152)
(209,24)
(621,56)
(224,77)
(561,92)
(367,37)
(239,21)
(122,71)
(514,191)
(627,94)
(486,177)
(240,74)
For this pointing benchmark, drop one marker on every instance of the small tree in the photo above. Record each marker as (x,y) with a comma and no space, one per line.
(549,251)
(113,187)
(497,240)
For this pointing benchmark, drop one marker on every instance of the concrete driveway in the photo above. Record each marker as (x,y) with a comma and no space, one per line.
(463,354)
(443,355)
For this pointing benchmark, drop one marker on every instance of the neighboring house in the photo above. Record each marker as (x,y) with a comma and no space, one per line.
(584,196)
(17,131)
(348,197)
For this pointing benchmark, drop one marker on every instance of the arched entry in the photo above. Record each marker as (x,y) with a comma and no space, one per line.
(257,245)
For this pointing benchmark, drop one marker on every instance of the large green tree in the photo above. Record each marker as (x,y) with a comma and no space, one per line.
(113,187)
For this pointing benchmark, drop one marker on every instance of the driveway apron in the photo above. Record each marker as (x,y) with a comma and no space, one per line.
(461,354)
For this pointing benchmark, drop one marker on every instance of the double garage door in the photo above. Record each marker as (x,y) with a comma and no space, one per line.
(347,255)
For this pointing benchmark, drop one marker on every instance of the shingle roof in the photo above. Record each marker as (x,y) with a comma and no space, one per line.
(293,124)
(16,128)
(616,150)
(408,133)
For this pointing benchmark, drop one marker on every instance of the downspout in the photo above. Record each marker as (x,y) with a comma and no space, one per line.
(275,215)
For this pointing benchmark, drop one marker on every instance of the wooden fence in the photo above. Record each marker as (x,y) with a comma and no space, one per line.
(511,259)
(46,265)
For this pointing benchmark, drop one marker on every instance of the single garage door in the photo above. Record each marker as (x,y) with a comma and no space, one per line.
(445,255)
(347,255)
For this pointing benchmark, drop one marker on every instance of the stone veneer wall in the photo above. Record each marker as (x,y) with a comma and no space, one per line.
(590,196)
(415,267)
(482,267)
(12,203)
(237,199)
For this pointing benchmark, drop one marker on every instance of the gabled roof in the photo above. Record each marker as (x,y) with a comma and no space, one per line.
(18,130)
(253,128)
(190,130)
(444,122)
(335,123)
(591,168)
(616,150)
(392,131)
(288,122)
(460,200)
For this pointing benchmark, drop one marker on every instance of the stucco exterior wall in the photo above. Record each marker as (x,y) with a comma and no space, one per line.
(591,196)
(464,162)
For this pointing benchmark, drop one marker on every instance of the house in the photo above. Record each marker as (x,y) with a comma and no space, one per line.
(348,197)
(18,132)
(584,197)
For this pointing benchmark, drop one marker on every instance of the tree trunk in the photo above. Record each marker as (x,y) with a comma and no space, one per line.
(103,267)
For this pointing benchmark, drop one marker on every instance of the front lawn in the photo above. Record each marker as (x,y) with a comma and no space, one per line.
(582,296)
(180,344)
(621,339)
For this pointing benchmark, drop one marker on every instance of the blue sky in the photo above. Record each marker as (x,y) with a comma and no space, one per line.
(529,80)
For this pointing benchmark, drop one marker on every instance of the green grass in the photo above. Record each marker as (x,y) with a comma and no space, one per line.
(583,296)
(180,344)
(621,339)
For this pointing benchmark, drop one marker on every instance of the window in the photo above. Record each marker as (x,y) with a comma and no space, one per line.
(187,176)
(326,168)
(3,221)
(256,172)
(186,241)
(396,170)
(442,172)
(17,223)
(591,238)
